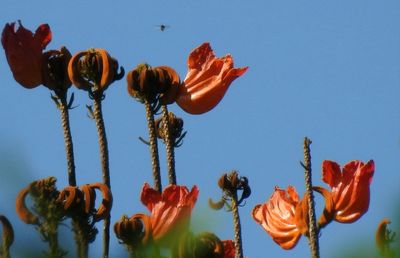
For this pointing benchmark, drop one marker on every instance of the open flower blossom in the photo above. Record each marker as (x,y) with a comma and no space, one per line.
(283,216)
(170,210)
(23,50)
(207,80)
(349,198)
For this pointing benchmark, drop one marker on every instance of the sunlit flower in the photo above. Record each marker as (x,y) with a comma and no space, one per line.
(349,198)
(23,50)
(283,216)
(207,80)
(170,210)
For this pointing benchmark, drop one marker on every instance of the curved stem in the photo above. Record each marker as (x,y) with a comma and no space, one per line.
(153,147)
(238,229)
(169,146)
(98,116)
(69,150)
(313,239)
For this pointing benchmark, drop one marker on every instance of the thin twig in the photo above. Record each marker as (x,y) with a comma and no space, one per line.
(98,116)
(313,238)
(153,147)
(169,146)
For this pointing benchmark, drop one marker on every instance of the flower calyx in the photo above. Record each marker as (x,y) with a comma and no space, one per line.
(134,232)
(157,85)
(55,70)
(231,184)
(81,201)
(94,70)
(204,245)
(175,126)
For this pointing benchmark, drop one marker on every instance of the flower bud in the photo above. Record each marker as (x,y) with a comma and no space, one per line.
(55,69)
(93,70)
(153,84)
(175,126)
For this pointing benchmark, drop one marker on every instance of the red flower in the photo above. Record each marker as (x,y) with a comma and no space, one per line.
(24,52)
(349,197)
(171,210)
(207,80)
(283,216)
(229,249)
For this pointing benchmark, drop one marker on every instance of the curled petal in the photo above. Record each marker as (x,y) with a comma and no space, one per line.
(89,196)
(170,81)
(108,72)
(105,207)
(23,212)
(8,232)
(147,229)
(74,74)
(70,196)
(133,231)
(329,212)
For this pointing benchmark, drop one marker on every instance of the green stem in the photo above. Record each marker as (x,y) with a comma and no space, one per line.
(98,116)
(153,147)
(237,227)
(169,146)
(313,229)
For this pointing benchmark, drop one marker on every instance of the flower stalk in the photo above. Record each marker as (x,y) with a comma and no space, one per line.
(155,162)
(313,229)
(69,149)
(101,131)
(231,184)
(237,227)
(169,145)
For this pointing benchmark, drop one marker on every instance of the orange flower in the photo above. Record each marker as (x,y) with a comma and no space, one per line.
(93,69)
(349,197)
(24,52)
(207,80)
(229,249)
(283,216)
(171,210)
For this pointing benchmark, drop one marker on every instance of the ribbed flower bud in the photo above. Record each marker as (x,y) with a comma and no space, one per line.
(153,84)
(94,70)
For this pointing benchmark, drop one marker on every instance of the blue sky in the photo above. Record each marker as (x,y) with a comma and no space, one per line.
(329,70)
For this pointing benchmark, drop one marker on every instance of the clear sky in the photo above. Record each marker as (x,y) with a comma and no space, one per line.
(329,70)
